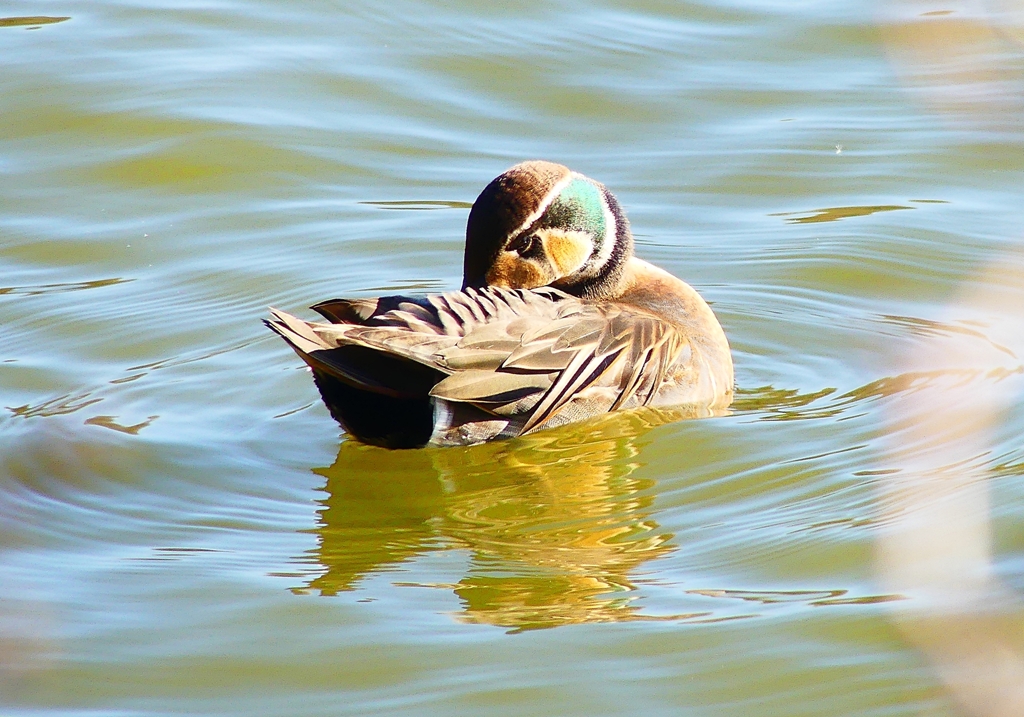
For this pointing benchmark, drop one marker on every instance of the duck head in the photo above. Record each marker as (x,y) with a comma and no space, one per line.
(541,224)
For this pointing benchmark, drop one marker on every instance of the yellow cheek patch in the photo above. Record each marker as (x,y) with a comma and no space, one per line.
(567,251)
(510,271)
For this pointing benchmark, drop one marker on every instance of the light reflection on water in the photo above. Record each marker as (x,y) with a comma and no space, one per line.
(554,525)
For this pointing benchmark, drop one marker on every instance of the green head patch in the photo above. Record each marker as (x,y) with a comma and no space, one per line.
(578,207)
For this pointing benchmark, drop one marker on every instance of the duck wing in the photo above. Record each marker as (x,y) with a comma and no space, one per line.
(566,364)
(537,357)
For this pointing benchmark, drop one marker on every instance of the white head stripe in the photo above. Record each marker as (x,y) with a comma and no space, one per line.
(544,203)
(610,235)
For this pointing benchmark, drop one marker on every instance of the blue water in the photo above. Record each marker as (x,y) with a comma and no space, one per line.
(183,528)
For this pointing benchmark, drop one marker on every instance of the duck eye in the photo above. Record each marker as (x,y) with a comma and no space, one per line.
(522,243)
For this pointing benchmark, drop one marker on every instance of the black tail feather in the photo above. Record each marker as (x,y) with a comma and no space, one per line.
(377,419)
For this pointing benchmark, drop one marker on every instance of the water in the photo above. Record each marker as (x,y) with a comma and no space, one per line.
(183,529)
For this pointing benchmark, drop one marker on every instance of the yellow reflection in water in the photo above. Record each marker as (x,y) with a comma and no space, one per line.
(555,525)
(111,423)
(30,21)
(833,214)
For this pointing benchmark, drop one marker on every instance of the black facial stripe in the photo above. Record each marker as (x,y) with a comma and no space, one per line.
(535,249)
(520,243)
(527,245)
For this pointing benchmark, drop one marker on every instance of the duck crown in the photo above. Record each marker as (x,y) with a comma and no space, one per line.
(540,224)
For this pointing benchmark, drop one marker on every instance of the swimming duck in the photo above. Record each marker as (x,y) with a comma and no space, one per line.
(556,321)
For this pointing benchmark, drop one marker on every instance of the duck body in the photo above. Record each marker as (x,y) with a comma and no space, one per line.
(556,322)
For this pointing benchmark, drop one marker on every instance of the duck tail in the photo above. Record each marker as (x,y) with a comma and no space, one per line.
(378,397)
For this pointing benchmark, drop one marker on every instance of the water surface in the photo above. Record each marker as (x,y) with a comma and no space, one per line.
(183,529)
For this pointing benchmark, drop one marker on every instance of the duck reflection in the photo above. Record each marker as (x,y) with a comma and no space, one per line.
(554,522)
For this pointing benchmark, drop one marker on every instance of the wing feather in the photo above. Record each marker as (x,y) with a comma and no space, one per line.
(632,383)
(460,308)
(483,358)
(450,322)
(581,333)
(524,355)
(474,386)
(537,356)
(584,369)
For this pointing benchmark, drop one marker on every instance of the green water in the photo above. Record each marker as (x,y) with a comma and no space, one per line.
(184,530)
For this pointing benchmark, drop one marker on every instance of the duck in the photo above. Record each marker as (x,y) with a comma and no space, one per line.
(557,321)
